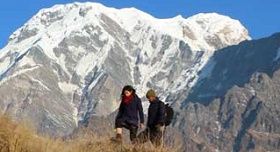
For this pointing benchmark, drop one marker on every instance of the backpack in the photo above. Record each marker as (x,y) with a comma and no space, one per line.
(169,113)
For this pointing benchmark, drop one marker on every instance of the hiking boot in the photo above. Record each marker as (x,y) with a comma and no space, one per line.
(117,139)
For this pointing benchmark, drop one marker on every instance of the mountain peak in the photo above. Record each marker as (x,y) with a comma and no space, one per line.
(76,52)
(201,25)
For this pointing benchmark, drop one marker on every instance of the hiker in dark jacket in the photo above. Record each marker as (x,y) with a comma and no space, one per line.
(128,115)
(156,120)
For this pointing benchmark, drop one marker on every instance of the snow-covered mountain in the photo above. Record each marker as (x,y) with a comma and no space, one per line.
(69,62)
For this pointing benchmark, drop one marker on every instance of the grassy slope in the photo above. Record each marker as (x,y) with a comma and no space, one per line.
(19,137)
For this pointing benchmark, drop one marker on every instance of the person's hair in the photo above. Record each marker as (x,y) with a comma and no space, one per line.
(128,88)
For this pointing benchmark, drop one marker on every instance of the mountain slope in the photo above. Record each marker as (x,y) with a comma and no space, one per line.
(69,62)
(235,107)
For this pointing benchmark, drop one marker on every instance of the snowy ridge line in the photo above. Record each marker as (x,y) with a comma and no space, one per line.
(17,57)
(18,73)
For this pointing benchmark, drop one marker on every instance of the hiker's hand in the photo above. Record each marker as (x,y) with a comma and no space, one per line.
(142,125)
(160,127)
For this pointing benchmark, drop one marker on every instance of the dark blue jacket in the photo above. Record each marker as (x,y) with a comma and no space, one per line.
(131,112)
(156,113)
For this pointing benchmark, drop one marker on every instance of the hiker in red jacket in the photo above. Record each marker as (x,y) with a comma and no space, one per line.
(128,115)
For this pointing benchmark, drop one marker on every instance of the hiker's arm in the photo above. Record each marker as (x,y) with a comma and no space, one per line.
(120,111)
(140,108)
(161,114)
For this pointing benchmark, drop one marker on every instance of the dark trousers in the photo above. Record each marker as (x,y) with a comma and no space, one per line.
(132,129)
(154,134)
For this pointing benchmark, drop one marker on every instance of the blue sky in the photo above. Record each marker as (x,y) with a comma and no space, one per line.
(260,17)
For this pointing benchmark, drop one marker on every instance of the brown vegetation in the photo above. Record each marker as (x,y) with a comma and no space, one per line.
(18,137)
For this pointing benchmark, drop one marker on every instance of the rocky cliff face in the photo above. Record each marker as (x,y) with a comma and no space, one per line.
(236,106)
(69,62)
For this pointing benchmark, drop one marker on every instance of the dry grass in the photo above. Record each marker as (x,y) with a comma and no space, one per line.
(17,137)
